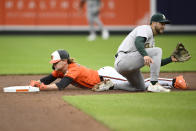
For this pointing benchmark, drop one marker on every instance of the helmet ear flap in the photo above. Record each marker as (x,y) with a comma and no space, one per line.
(53,67)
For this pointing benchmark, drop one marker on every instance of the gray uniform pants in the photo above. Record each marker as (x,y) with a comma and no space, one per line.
(129,64)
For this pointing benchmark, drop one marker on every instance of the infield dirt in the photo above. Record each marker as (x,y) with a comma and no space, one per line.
(47,111)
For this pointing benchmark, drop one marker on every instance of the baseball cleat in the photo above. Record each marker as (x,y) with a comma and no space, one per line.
(180,83)
(105,34)
(92,37)
(157,88)
(103,86)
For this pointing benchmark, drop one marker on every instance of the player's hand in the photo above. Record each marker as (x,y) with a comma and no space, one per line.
(173,59)
(35,83)
(147,60)
(43,86)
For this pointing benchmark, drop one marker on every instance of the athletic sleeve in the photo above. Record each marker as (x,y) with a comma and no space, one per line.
(166,61)
(64,82)
(139,44)
(57,74)
(48,79)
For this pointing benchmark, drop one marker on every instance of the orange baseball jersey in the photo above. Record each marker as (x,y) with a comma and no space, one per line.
(80,74)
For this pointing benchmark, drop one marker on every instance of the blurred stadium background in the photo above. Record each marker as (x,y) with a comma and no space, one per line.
(117,15)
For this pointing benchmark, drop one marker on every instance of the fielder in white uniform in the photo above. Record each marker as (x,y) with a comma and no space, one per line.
(121,83)
(93,11)
(138,49)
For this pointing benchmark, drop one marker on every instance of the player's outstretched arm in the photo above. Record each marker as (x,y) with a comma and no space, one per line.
(180,54)
(64,82)
(168,60)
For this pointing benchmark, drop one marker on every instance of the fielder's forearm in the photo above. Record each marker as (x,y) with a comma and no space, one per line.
(166,61)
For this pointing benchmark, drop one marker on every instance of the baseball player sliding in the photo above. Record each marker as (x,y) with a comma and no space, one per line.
(105,78)
(138,49)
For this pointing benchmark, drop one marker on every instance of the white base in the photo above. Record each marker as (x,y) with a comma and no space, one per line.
(21,89)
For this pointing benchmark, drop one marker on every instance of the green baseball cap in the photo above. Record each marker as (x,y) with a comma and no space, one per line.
(158,17)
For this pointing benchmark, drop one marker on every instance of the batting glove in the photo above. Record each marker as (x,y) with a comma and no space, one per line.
(42,86)
(35,83)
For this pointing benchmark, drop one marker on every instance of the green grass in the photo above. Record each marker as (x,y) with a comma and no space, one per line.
(28,54)
(175,111)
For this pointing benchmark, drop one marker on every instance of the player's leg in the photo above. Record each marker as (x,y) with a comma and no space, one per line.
(166,82)
(117,79)
(110,72)
(104,31)
(96,18)
(177,82)
(136,79)
(90,17)
(128,65)
(127,62)
(121,82)
(156,54)
(95,10)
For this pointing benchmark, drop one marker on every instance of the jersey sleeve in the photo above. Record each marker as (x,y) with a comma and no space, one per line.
(57,74)
(65,81)
(48,79)
(144,31)
(139,44)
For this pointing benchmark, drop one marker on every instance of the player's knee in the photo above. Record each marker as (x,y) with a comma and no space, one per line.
(158,50)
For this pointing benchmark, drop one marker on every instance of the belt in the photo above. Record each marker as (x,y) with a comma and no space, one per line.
(101,78)
(122,52)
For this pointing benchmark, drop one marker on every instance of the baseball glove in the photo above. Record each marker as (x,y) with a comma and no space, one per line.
(181,53)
